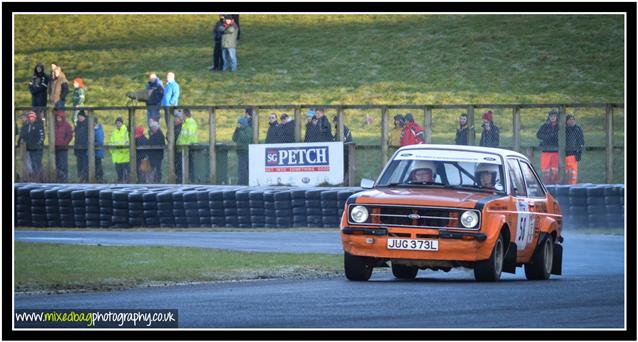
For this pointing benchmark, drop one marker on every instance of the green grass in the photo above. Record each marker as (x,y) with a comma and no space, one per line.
(53,267)
(346,59)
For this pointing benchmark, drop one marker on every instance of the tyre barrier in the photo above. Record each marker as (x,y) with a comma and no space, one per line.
(194,206)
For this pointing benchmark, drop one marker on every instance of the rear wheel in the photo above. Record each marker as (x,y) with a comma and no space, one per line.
(490,269)
(357,268)
(541,265)
(404,271)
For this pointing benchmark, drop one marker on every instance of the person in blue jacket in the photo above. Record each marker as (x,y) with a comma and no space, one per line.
(99,152)
(171,94)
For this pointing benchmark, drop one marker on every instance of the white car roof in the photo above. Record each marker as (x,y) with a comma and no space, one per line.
(502,152)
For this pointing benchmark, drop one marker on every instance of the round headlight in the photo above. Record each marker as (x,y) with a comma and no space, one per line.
(359,214)
(469,219)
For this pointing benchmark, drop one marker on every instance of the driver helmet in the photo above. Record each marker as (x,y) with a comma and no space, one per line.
(484,167)
(423,164)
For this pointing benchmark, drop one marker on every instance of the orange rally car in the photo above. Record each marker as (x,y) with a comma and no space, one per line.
(443,206)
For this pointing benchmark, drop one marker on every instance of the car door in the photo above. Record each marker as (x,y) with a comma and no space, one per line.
(537,198)
(523,217)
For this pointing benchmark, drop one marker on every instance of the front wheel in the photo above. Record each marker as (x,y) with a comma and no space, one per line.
(542,261)
(404,271)
(490,269)
(357,268)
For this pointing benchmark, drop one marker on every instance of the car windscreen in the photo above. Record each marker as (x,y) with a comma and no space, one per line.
(445,169)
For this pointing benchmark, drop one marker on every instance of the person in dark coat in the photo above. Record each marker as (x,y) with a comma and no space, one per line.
(141,154)
(325,129)
(243,137)
(33,135)
(63,136)
(574,145)
(99,152)
(156,93)
(273,135)
(462,131)
(80,148)
(38,86)
(548,136)
(347,138)
(490,134)
(287,129)
(312,127)
(155,156)
(217,50)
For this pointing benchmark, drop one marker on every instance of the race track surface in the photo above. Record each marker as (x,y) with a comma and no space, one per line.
(589,294)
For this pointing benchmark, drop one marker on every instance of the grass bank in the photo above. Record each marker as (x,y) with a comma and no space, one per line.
(53,267)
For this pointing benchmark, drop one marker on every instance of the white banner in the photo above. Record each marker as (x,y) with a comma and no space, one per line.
(300,164)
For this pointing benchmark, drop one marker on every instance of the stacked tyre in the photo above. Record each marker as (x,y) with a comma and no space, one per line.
(136,208)
(313,208)
(78,202)
(298,208)
(106,207)
(283,208)
(179,214)
(65,204)
(242,203)
(23,205)
(577,213)
(52,207)
(216,205)
(256,209)
(596,217)
(614,206)
(191,211)
(329,209)
(165,209)
(120,215)
(149,209)
(203,208)
(38,210)
(229,203)
(92,207)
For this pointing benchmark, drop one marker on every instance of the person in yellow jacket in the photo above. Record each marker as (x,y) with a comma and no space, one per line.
(120,156)
(187,135)
(394,136)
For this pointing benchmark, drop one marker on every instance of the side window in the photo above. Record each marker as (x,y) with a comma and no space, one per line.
(516,177)
(534,188)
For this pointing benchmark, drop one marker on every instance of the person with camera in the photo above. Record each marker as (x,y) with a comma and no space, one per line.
(38,87)
(217,50)
(155,91)
(490,134)
(574,145)
(229,43)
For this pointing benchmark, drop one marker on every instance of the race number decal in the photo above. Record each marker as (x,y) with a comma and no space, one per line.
(525,227)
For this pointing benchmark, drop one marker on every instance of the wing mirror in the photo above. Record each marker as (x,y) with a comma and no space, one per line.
(367,183)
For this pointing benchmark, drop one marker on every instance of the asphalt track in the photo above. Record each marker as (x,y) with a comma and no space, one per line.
(589,294)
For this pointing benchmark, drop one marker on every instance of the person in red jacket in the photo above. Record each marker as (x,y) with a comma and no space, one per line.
(63,136)
(412,132)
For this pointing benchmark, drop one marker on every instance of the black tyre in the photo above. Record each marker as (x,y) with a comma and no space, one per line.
(490,269)
(404,271)
(357,268)
(540,266)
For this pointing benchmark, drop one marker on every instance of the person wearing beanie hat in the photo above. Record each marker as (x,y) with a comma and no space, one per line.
(574,146)
(155,156)
(287,127)
(394,136)
(463,131)
(79,92)
(120,154)
(81,147)
(248,114)
(548,136)
(243,136)
(141,154)
(32,134)
(412,132)
(63,136)
(490,136)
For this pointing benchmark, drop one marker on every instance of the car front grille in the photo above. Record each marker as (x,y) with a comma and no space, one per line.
(415,217)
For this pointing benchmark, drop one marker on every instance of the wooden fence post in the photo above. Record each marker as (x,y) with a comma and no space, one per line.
(52,176)
(427,125)
(471,134)
(212,153)
(516,122)
(256,126)
(298,124)
(339,132)
(609,148)
(561,144)
(384,135)
(132,177)
(185,166)
(170,145)
(91,147)
(352,164)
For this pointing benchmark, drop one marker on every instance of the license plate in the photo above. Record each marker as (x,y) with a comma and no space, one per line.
(413,244)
